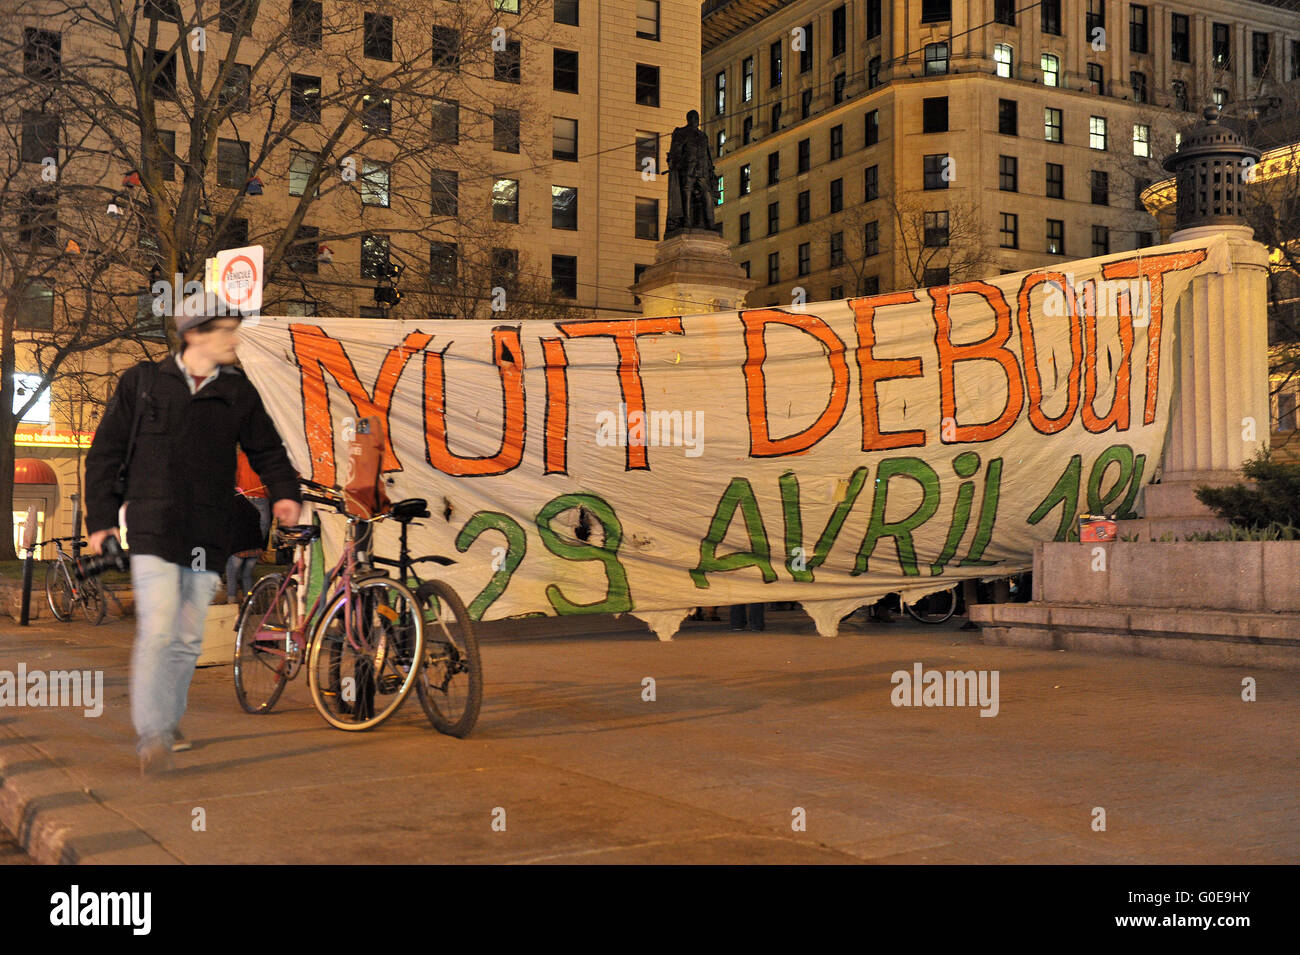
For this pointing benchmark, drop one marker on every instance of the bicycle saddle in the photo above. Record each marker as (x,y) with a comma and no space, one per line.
(411,509)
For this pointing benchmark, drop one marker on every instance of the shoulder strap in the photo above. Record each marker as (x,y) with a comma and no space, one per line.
(143,387)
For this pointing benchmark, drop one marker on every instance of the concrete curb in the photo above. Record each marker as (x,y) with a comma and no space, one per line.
(57,822)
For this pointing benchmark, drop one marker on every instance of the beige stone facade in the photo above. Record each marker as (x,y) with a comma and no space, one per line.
(868,57)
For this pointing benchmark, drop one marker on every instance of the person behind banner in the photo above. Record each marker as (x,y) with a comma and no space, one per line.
(247,543)
(166,447)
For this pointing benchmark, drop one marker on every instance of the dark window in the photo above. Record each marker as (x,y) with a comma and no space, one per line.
(1143,240)
(746,130)
(1295,59)
(873,19)
(230,14)
(936,229)
(443,263)
(38,218)
(232,163)
(566,11)
(1178,89)
(837,291)
(564,207)
(839,30)
(1007,123)
(446,121)
(647,85)
(1052,125)
(773,168)
(837,89)
(837,195)
(647,218)
(805,104)
(871,239)
(870,285)
(446,49)
(936,11)
(1180,43)
(42,54)
(773,218)
(806,54)
(1004,11)
(1137,28)
(566,71)
(936,171)
(564,276)
(505,130)
(301,256)
(505,63)
(505,200)
(40,137)
(1097,79)
(776,117)
(378,40)
(1095,17)
(1140,186)
(304,98)
(305,21)
(873,73)
(1055,237)
(873,127)
(234,92)
(1100,187)
(936,58)
(1259,54)
(1051,10)
(744,228)
(804,155)
(932,277)
(166,154)
(803,211)
(564,139)
(837,141)
(1055,181)
(1010,231)
(837,253)
(774,64)
(164,81)
(870,183)
(234,235)
(162,10)
(647,152)
(1221,43)
(445,193)
(1008,176)
(744,180)
(377,112)
(773,267)
(934,114)
(1100,240)
(638,270)
(1137,82)
(805,258)
(647,19)
(36,308)
(505,268)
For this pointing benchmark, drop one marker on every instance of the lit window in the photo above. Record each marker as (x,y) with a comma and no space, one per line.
(1051,64)
(1141,139)
(1097,132)
(1002,56)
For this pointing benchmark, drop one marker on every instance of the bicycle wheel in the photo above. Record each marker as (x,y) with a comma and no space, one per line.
(92,600)
(265,651)
(451,685)
(934,608)
(59,591)
(365,654)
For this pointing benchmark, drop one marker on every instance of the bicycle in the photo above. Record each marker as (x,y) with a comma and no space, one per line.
(936,607)
(361,641)
(450,645)
(65,590)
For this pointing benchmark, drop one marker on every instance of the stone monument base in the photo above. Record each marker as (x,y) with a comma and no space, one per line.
(693,272)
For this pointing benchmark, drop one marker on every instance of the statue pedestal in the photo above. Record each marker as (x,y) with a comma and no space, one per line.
(693,272)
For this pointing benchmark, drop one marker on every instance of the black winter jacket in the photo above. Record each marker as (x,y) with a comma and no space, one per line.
(180,484)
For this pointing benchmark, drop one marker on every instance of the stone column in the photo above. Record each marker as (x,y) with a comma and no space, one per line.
(1219,417)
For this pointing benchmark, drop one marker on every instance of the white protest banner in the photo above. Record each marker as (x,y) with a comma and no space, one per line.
(826,453)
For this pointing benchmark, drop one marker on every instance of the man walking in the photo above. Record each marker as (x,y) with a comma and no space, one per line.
(186,415)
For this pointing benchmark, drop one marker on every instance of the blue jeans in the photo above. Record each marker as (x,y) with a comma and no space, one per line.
(171,605)
(239,575)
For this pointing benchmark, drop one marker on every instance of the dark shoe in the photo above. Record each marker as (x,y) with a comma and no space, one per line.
(739,629)
(757,629)
(180,743)
(155,759)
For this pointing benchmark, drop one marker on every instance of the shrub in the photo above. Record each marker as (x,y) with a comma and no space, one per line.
(1272,497)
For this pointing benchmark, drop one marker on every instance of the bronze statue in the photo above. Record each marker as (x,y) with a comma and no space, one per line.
(692,183)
